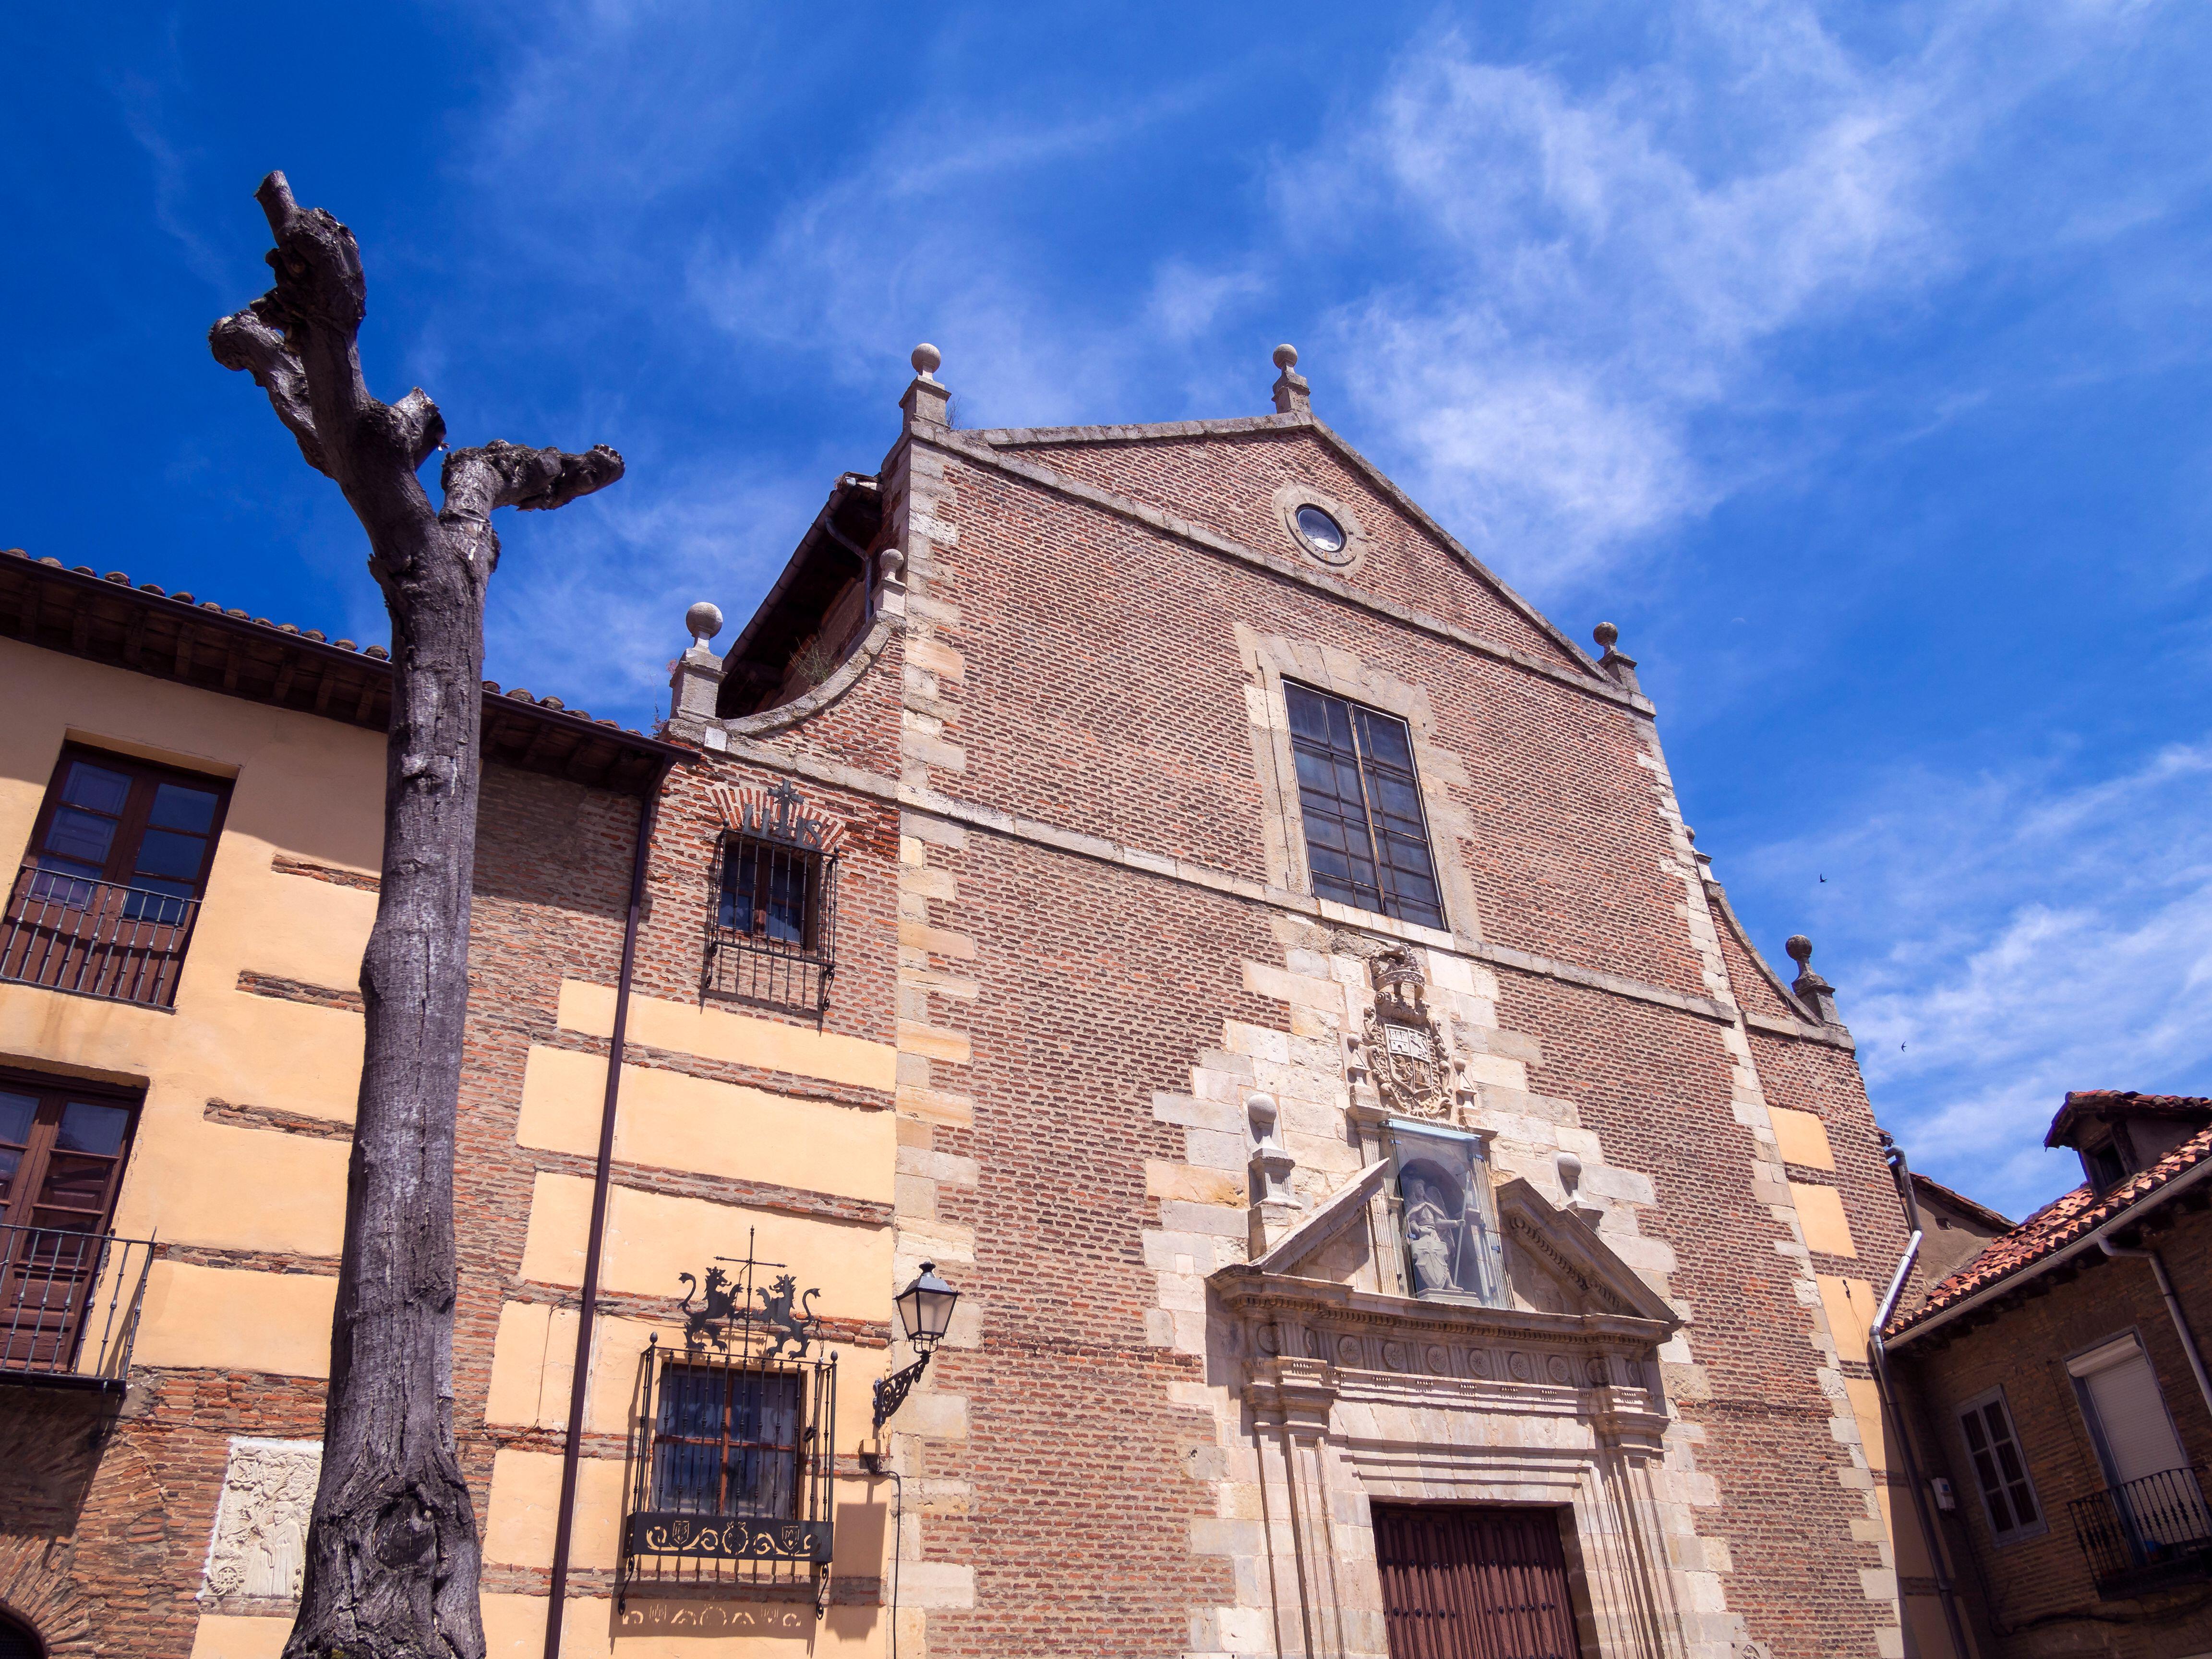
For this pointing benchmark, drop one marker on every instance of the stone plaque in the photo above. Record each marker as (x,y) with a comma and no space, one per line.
(259,1546)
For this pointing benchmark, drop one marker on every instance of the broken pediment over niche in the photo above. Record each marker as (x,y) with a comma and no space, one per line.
(1331,1243)
(1555,1262)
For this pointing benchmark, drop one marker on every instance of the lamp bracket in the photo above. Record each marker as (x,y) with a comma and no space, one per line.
(891,1391)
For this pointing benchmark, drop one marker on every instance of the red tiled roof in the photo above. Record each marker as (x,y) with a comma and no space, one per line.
(2121,1102)
(2057,1224)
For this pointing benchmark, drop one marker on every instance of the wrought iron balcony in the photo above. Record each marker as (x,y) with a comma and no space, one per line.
(2146,1534)
(99,938)
(68,1305)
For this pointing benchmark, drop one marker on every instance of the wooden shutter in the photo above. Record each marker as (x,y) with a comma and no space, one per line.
(1467,1582)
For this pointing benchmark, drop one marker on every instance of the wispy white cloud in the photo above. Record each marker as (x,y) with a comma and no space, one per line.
(1595,270)
(2011,936)
(141,102)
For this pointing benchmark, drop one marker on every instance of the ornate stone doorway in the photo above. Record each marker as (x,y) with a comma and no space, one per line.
(1474,1582)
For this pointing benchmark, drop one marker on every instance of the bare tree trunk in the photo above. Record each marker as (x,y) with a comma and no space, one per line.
(393,1551)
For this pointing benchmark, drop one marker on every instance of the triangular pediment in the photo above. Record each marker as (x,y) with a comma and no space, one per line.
(1313,1249)
(1557,1262)
(1395,551)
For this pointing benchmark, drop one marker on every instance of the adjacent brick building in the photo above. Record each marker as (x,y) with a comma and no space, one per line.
(1153,874)
(2060,1403)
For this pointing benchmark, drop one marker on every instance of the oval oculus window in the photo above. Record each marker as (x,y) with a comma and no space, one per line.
(1323,534)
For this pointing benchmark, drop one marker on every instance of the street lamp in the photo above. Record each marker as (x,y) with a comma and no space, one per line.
(925,1308)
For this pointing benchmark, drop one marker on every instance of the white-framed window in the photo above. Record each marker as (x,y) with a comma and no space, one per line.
(2000,1467)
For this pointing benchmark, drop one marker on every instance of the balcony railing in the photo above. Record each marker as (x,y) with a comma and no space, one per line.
(2146,1532)
(99,938)
(68,1305)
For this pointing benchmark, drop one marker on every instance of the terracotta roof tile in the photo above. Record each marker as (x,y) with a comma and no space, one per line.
(2056,1225)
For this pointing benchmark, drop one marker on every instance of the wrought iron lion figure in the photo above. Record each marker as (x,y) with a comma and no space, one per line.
(709,1323)
(785,1325)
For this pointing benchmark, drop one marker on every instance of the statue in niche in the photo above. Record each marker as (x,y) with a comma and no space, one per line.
(1427,1223)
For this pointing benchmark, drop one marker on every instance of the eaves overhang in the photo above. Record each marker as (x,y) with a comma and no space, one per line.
(145,630)
(2119,1221)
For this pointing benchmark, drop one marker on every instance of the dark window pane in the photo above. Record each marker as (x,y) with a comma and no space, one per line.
(86,1127)
(179,807)
(2009,1460)
(16,1112)
(81,836)
(1387,742)
(1309,713)
(96,788)
(2000,1517)
(166,855)
(1976,1440)
(2023,1503)
(10,1159)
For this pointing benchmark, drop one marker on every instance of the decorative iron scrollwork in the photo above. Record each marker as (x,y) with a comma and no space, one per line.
(729,1537)
(891,1391)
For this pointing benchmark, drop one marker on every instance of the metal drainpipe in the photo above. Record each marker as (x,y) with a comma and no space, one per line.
(2172,1311)
(1893,1155)
(564,1519)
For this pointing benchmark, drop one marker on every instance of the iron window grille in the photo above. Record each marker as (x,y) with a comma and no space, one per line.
(1360,798)
(70,1290)
(772,929)
(731,1461)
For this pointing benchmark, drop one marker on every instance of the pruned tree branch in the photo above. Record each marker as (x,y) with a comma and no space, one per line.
(247,340)
(392,1552)
(502,474)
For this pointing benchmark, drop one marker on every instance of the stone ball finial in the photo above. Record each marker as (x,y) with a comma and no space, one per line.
(1286,357)
(1800,949)
(1571,1172)
(927,359)
(704,619)
(1605,634)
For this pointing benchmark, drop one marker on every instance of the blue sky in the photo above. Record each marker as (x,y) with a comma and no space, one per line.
(1853,360)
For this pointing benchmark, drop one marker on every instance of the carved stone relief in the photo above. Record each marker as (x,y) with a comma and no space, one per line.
(1400,1051)
(259,1546)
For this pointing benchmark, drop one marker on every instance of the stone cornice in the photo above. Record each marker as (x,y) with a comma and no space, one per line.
(990,819)
(1248,1290)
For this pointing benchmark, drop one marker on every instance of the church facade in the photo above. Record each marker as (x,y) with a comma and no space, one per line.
(1387,1190)
(1152,879)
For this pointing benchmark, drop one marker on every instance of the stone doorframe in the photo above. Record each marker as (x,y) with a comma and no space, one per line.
(1349,1397)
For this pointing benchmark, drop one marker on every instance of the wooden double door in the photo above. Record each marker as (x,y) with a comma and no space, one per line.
(1474,1582)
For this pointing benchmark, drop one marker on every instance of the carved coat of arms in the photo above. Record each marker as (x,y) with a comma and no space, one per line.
(1402,1048)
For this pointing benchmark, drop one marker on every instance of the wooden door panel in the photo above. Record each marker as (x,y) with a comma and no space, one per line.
(1469,1582)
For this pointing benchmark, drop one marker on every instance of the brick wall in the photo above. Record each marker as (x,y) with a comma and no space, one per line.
(2034,1595)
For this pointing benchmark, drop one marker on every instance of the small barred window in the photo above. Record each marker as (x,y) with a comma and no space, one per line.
(771,932)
